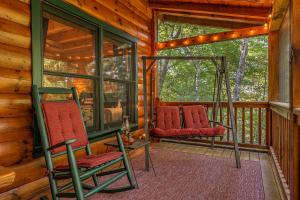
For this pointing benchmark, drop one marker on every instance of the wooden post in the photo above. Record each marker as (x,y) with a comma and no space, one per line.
(273,74)
(295,90)
(146,113)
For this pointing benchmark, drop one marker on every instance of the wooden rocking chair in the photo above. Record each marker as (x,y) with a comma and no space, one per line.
(63,132)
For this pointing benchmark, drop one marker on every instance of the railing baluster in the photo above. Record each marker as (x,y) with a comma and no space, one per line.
(259,125)
(251,125)
(243,125)
(235,119)
(228,130)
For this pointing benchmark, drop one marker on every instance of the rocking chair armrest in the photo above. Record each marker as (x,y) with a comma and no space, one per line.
(219,123)
(67,142)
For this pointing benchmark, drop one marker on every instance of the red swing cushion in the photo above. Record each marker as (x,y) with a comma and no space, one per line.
(167,121)
(195,117)
(63,122)
(196,122)
(167,117)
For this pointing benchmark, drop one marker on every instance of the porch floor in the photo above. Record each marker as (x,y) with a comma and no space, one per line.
(270,183)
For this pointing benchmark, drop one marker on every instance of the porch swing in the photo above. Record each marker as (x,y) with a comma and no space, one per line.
(167,121)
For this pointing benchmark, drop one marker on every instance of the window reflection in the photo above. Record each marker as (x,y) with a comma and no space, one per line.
(117,69)
(117,59)
(115,97)
(85,90)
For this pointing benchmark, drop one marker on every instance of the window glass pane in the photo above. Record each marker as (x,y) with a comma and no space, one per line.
(117,59)
(85,90)
(115,102)
(68,47)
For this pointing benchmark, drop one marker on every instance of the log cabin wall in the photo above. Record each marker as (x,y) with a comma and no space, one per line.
(16,137)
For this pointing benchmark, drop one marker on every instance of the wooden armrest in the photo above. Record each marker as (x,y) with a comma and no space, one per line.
(219,123)
(67,142)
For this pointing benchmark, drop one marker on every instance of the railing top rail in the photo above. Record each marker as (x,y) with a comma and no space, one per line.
(245,104)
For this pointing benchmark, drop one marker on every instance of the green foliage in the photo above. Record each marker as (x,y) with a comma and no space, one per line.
(179,82)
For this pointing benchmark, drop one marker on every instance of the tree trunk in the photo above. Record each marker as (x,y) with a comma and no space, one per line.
(241,70)
(164,65)
(197,81)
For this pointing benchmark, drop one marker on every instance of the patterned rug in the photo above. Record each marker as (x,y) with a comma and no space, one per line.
(187,176)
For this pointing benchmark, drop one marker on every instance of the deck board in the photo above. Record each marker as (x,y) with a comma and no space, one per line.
(271,187)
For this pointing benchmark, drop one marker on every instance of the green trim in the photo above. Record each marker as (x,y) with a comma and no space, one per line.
(101,86)
(135,64)
(36,41)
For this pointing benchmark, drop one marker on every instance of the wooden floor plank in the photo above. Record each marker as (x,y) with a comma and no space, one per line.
(245,155)
(209,152)
(218,152)
(254,156)
(227,153)
(271,191)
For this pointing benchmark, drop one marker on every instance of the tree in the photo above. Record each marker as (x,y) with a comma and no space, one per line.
(241,70)
(193,80)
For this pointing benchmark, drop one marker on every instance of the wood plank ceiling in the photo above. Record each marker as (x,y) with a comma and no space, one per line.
(232,14)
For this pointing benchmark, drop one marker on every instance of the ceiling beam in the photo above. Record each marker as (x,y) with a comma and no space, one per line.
(218,10)
(215,17)
(246,3)
(211,38)
(207,22)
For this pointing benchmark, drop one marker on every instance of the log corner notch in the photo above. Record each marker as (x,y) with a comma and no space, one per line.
(215,37)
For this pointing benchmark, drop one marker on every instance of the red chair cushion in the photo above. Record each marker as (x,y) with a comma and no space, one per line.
(167,117)
(195,117)
(91,161)
(63,122)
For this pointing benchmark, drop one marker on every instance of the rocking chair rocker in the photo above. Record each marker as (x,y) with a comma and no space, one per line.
(63,132)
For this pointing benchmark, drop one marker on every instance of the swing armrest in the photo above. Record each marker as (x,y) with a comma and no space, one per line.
(67,142)
(219,123)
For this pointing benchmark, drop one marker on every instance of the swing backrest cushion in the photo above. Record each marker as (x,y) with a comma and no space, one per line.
(167,117)
(63,122)
(195,117)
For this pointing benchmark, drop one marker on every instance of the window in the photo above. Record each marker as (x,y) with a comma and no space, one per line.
(83,52)
(118,80)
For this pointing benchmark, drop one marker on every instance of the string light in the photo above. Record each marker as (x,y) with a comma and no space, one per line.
(266,26)
(233,35)
(215,37)
(160,45)
(252,31)
(186,42)
(172,44)
(200,37)
(270,16)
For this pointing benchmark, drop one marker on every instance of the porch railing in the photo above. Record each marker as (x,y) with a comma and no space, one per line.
(252,119)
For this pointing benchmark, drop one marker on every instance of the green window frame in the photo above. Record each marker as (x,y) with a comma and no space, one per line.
(69,13)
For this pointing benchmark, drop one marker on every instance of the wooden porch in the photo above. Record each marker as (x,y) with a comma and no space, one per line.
(268,131)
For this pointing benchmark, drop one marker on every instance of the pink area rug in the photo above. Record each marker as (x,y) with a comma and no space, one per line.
(186,176)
